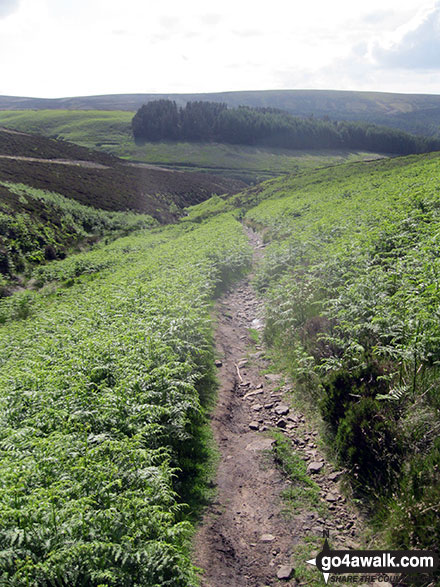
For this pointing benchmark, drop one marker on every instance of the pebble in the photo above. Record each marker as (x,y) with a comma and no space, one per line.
(267,538)
(261,444)
(257,407)
(285,572)
(218,363)
(254,425)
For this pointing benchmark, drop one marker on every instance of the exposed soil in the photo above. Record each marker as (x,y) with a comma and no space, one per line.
(245,538)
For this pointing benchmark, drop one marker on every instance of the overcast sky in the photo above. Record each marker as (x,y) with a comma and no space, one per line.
(58,48)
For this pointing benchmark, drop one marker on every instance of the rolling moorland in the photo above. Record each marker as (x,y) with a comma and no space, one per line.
(110,131)
(416,113)
(56,195)
(107,364)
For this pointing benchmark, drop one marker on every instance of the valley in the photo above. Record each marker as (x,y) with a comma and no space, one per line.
(199,374)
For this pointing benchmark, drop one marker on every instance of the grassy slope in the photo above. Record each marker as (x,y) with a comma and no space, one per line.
(85,127)
(103,387)
(110,131)
(351,283)
(38,226)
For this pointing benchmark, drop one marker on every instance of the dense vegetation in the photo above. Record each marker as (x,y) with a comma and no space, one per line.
(103,388)
(38,226)
(213,121)
(351,279)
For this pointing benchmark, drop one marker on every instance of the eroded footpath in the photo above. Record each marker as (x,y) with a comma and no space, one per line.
(245,539)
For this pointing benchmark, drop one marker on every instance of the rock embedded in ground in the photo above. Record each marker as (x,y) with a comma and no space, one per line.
(314,467)
(331,497)
(281,423)
(285,572)
(282,410)
(257,407)
(267,538)
(254,425)
(261,444)
(218,363)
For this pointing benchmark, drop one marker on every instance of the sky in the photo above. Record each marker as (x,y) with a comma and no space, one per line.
(61,48)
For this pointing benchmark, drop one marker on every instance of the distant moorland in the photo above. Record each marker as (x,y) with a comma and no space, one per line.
(417,113)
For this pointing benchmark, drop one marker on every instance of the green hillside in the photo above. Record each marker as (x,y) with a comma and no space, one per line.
(111,132)
(98,179)
(37,226)
(107,369)
(89,128)
(350,279)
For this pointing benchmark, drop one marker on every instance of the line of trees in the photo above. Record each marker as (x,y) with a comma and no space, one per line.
(213,121)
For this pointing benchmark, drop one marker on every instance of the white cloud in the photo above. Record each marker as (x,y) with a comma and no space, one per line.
(211,19)
(8,7)
(53,48)
(418,48)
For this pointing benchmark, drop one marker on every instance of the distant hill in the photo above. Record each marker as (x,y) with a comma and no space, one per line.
(418,113)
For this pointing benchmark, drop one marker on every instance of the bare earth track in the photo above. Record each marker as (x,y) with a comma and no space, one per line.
(244,538)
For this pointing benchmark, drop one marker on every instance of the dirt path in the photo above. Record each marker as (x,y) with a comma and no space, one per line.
(244,539)
(76,162)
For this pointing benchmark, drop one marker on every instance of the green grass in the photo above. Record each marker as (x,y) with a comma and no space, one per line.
(303,492)
(86,127)
(254,335)
(111,131)
(308,574)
